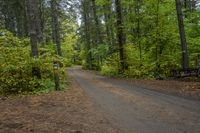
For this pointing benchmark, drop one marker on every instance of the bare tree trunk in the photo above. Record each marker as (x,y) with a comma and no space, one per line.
(40,24)
(87,33)
(185,59)
(97,38)
(55,26)
(26,22)
(32,10)
(120,35)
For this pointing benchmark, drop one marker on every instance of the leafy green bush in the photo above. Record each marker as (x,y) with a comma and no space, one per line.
(142,68)
(110,66)
(16,65)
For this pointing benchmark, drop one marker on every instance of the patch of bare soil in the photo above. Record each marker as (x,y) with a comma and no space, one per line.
(57,112)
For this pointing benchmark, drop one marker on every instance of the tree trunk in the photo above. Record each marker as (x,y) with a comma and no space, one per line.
(9,17)
(185,60)
(55,26)
(41,23)
(87,34)
(120,35)
(26,23)
(32,10)
(97,25)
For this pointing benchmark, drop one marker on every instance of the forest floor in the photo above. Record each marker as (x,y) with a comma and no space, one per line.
(71,111)
(99,104)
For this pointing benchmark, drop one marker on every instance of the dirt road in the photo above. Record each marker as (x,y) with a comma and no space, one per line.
(70,111)
(137,110)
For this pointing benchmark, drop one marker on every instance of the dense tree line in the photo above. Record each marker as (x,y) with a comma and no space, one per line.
(140,37)
(33,36)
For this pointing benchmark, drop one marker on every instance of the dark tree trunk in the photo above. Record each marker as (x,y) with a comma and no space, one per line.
(98,38)
(32,10)
(41,23)
(120,35)
(9,17)
(87,33)
(55,26)
(185,60)
(26,23)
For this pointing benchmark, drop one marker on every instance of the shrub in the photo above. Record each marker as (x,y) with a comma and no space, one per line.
(16,65)
(110,66)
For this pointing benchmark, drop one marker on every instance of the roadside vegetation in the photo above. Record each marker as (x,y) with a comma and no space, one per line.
(16,75)
(32,39)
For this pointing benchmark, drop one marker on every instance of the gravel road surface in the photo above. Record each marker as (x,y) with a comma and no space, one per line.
(135,109)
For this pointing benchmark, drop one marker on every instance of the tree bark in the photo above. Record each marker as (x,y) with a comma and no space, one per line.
(55,26)
(87,33)
(32,10)
(120,35)
(185,59)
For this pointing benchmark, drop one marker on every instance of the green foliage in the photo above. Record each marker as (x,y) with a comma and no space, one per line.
(152,45)
(99,54)
(101,51)
(111,65)
(70,50)
(16,66)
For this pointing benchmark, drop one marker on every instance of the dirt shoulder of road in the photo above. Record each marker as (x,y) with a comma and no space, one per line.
(185,87)
(57,112)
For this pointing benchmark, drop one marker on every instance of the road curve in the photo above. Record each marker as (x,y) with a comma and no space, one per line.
(137,110)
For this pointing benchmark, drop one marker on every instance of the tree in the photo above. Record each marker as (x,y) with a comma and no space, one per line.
(55,26)
(120,35)
(109,26)
(97,24)
(185,60)
(32,11)
(87,33)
